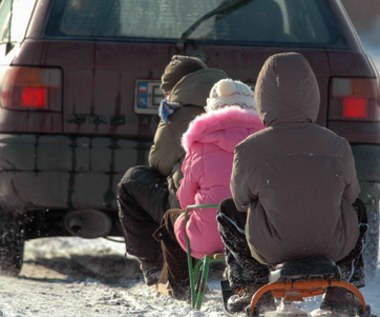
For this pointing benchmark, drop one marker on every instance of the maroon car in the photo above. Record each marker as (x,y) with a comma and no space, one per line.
(79,91)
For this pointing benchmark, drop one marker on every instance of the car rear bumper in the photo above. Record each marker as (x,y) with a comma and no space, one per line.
(64,172)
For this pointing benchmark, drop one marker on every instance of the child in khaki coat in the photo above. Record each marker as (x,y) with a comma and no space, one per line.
(293,188)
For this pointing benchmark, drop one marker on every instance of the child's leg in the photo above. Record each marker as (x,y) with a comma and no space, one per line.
(352,266)
(245,274)
(242,269)
(174,256)
(142,200)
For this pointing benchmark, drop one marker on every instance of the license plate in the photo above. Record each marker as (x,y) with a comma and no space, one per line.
(148,96)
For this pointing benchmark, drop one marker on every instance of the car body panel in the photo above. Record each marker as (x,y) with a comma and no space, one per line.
(65,172)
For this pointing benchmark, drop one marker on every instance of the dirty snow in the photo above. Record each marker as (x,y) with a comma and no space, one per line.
(65,277)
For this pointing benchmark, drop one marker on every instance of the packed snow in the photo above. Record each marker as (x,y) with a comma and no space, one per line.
(65,277)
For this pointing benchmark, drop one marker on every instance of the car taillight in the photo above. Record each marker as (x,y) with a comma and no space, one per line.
(356,99)
(31,88)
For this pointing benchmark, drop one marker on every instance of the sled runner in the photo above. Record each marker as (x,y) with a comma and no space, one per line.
(293,281)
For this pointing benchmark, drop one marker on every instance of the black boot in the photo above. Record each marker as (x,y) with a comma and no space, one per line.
(339,300)
(151,271)
(240,301)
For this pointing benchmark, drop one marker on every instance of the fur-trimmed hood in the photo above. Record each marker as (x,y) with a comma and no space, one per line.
(232,121)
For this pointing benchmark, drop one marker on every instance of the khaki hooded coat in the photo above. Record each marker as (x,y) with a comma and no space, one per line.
(296,179)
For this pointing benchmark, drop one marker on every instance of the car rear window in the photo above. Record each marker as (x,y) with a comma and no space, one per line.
(254,22)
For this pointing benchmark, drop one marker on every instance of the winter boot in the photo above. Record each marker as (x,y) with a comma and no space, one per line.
(181,291)
(339,300)
(151,271)
(240,301)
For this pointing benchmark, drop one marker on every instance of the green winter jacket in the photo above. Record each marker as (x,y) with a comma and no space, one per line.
(166,154)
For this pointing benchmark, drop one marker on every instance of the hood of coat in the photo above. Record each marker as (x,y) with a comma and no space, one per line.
(287,90)
(224,127)
(194,88)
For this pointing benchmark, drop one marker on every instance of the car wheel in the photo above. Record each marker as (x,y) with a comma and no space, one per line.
(371,250)
(11,244)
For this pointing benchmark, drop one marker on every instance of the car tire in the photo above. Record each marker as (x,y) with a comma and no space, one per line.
(371,249)
(11,244)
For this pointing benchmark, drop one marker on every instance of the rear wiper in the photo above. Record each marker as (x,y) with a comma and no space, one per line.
(225,7)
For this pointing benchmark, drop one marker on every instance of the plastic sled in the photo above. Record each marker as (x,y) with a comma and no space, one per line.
(293,281)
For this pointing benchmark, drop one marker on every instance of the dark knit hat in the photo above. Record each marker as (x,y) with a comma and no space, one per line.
(179,67)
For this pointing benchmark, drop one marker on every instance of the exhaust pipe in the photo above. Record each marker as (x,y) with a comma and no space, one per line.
(88,223)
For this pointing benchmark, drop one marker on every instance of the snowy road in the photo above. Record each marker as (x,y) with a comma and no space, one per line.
(66,277)
(76,277)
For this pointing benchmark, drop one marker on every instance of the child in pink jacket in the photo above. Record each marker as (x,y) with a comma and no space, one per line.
(209,143)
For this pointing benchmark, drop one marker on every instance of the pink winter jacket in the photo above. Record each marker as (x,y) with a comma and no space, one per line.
(209,143)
